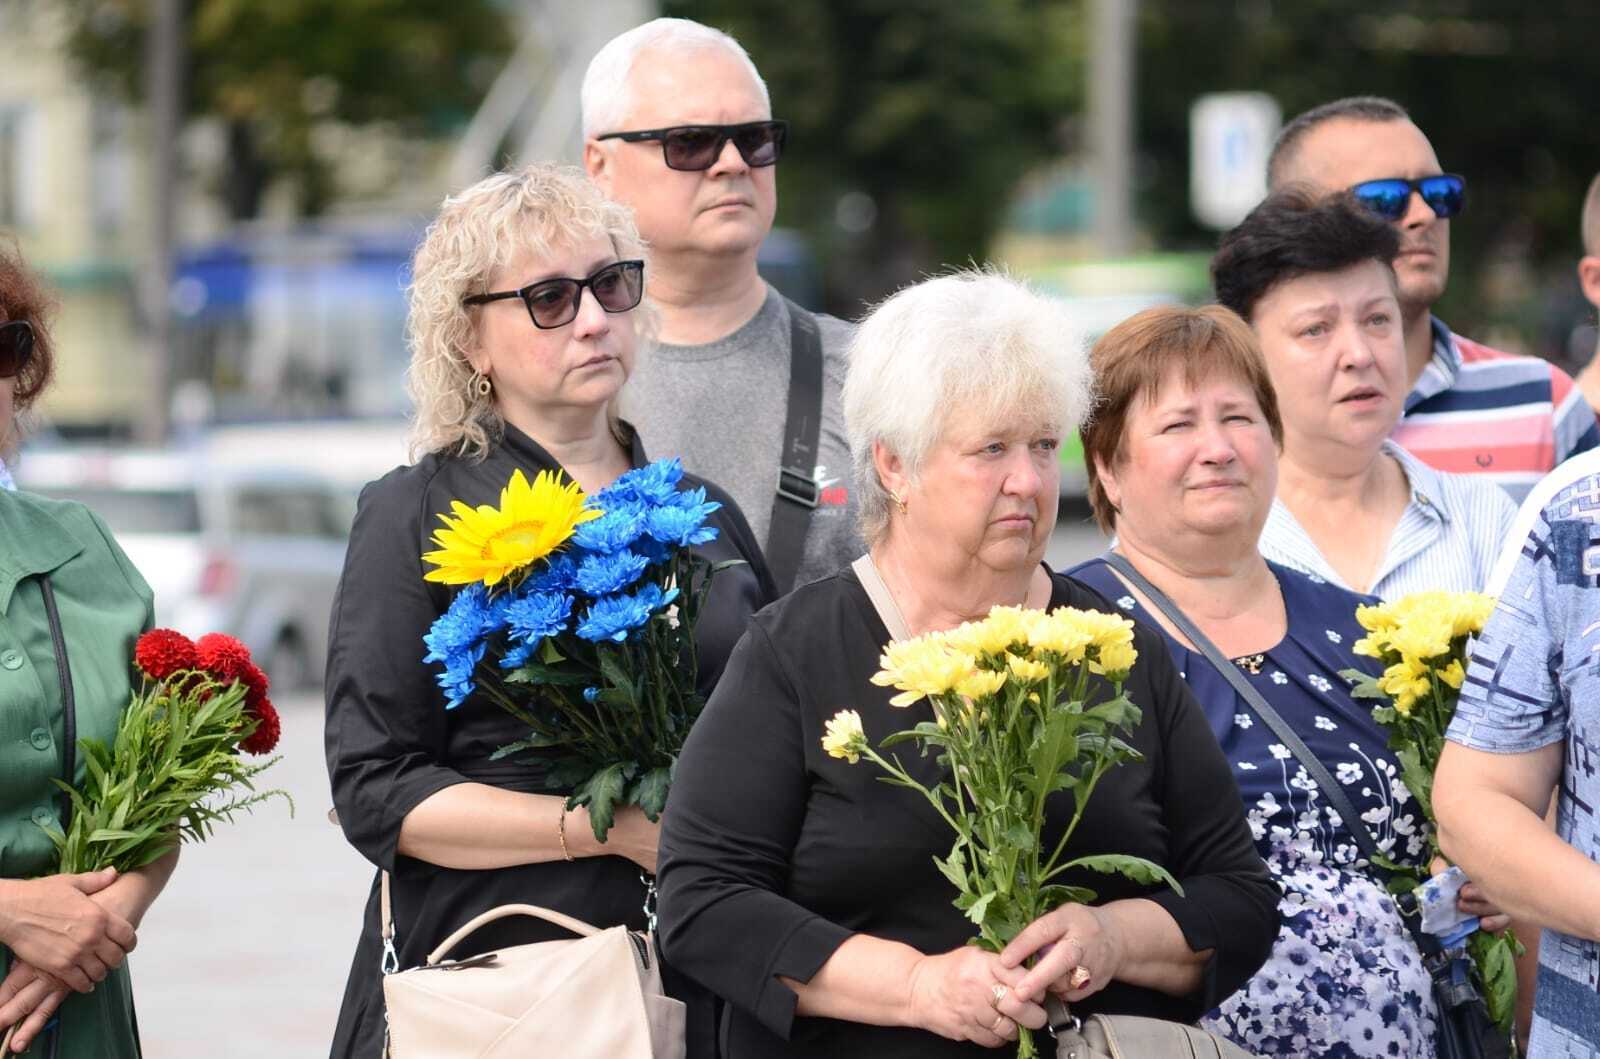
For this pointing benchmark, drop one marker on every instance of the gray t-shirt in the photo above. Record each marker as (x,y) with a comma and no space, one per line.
(722,406)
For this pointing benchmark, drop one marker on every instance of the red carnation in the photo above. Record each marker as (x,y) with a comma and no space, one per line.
(163,652)
(225,658)
(265,737)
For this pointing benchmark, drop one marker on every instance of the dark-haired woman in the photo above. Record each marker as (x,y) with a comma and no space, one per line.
(71,607)
(1315,280)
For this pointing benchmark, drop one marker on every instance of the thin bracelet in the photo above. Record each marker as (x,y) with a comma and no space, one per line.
(561,832)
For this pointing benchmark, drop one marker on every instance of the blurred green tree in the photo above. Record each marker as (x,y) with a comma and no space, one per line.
(913,121)
(270,70)
(1504,91)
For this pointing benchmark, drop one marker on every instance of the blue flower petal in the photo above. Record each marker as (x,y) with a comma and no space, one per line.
(604,575)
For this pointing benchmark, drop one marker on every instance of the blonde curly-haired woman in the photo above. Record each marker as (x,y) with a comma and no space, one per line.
(524,322)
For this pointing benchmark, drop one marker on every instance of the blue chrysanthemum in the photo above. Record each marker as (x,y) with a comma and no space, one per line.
(651,485)
(591,695)
(517,655)
(613,617)
(457,639)
(531,618)
(619,527)
(605,575)
(558,575)
(652,550)
(683,521)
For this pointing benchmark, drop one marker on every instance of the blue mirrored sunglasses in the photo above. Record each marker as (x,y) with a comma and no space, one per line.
(1389,198)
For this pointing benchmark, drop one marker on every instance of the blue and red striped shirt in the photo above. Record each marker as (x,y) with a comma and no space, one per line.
(1477,410)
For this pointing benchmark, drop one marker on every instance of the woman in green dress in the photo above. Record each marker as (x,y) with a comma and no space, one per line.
(71,607)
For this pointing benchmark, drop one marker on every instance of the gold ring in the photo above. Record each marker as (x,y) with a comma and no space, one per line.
(999,992)
(998,1028)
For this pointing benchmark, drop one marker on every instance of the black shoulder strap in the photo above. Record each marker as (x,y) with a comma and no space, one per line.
(69,703)
(1273,720)
(1427,943)
(798,492)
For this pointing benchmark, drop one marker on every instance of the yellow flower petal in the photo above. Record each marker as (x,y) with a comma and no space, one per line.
(486,543)
(844,737)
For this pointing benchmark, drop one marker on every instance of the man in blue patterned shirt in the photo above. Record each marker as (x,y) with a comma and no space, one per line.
(1528,720)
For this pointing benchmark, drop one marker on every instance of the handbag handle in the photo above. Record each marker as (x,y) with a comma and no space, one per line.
(577,926)
(882,599)
(1426,943)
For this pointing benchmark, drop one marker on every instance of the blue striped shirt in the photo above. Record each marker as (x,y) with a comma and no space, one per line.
(1447,538)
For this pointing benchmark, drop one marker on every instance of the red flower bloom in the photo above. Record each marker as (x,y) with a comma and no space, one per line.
(224,658)
(268,728)
(163,652)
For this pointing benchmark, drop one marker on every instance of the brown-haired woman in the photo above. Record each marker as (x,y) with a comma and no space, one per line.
(71,607)
(1183,464)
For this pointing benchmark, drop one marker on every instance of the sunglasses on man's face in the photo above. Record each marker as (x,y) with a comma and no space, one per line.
(1389,198)
(553,303)
(16,347)
(696,147)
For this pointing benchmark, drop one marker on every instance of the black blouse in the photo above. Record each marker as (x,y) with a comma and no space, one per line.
(391,744)
(774,853)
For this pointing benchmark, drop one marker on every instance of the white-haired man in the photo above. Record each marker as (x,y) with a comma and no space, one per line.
(1472,409)
(740,382)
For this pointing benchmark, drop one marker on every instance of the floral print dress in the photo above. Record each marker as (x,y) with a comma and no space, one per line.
(1345,980)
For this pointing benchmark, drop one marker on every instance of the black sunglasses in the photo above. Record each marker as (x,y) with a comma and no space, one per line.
(16,347)
(1445,194)
(553,303)
(696,147)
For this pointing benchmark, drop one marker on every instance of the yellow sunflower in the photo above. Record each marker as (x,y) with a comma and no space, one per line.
(486,543)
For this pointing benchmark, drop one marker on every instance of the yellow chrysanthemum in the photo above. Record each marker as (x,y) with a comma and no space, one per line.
(844,737)
(1027,670)
(1062,633)
(1115,660)
(487,543)
(1453,674)
(1004,628)
(979,683)
(1405,682)
(925,665)
(1376,619)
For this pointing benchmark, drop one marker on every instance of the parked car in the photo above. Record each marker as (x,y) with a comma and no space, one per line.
(249,550)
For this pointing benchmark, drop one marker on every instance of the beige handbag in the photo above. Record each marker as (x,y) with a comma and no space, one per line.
(1134,1037)
(595,997)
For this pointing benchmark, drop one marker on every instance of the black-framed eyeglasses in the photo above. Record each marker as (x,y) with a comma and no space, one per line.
(553,303)
(696,147)
(16,347)
(1390,197)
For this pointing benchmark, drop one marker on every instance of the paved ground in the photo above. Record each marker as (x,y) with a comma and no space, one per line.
(246,954)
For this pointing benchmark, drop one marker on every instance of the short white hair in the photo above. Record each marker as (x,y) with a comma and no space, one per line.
(606,98)
(976,340)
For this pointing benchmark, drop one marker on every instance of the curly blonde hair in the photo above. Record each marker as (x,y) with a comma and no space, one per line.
(536,210)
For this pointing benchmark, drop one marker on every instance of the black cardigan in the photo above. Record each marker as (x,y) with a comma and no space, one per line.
(774,853)
(390,743)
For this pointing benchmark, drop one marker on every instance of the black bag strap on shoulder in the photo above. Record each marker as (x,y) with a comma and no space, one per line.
(798,492)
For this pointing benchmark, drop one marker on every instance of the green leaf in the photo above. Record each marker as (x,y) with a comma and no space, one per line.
(1136,868)
(1019,836)
(616,675)
(534,741)
(954,867)
(980,907)
(601,792)
(1418,779)
(650,792)
(1493,960)
(1401,884)
(537,673)
(927,731)
(1056,895)
(549,653)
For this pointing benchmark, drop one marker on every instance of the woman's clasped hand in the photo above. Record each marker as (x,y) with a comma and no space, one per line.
(970,995)
(54,925)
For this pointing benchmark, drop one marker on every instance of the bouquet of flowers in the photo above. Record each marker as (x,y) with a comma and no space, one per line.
(1019,716)
(1421,640)
(577,618)
(174,768)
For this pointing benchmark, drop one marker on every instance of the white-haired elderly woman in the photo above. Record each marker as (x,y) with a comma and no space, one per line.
(801,889)
(523,323)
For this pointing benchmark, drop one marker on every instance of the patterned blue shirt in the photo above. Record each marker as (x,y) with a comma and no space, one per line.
(1534,680)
